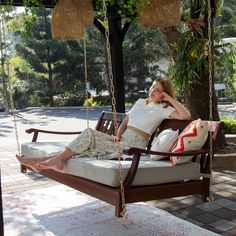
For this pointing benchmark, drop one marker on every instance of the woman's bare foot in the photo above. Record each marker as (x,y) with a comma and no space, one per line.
(29,161)
(53,163)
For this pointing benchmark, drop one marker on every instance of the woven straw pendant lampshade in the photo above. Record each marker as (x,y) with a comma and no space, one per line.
(160,13)
(69,17)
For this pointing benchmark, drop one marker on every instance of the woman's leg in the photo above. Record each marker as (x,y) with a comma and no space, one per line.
(57,162)
(32,161)
(89,141)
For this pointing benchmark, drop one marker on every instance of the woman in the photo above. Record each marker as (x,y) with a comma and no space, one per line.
(135,131)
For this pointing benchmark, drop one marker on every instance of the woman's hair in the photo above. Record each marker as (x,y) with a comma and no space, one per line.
(166,85)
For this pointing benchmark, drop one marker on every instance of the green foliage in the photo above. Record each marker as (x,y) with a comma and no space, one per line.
(127,9)
(142,48)
(57,67)
(90,102)
(229,126)
(190,60)
(34,101)
(20,90)
(103,100)
(68,99)
(219,5)
(32,7)
(225,24)
(225,58)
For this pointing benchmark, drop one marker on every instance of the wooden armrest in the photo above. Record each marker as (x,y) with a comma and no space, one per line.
(31,130)
(136,152)
(133,151)
(37,131)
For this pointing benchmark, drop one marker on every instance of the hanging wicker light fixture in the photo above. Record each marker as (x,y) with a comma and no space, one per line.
(69,17)
(160,13)
(87,13)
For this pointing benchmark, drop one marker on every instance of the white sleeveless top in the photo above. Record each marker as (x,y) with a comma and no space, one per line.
(147,117)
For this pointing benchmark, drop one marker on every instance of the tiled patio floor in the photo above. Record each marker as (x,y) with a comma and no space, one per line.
(218,216)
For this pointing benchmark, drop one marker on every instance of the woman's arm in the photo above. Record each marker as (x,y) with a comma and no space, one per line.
(180,113)
(122,128)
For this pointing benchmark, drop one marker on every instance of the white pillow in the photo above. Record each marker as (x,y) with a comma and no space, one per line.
(191,138)
(164,142)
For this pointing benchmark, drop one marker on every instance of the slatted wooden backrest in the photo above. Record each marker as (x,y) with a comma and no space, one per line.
(174,124)
(106,122)
(169,124)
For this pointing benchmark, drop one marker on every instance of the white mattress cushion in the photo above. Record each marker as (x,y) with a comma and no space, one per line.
(41,149)
(107,171)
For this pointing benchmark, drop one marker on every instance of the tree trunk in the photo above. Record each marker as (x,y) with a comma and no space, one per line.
(199,106)
(6,95)
(171,35)
(198,99)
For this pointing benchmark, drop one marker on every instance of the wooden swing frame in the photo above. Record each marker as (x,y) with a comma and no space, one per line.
(112,195)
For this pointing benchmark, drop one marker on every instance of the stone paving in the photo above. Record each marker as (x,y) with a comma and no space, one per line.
(219,216)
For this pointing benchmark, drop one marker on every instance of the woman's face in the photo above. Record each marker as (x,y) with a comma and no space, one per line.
(154,92)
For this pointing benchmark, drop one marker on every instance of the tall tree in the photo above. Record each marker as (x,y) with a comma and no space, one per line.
(225,29)
(143,48)
(58,66)
(42,54)
(5,56)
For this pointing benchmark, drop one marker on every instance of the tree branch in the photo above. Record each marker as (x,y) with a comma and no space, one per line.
(124,30)
(99,26)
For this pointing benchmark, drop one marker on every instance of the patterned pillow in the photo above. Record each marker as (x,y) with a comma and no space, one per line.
(164,142)
(191,138)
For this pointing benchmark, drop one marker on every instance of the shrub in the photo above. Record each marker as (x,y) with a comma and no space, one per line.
(90,103)
(34,101)
(103,100)
(68,99)
(229,126)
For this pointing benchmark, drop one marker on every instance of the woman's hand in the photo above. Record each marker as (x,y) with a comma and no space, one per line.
(164,97)
(116,139)
(181,113)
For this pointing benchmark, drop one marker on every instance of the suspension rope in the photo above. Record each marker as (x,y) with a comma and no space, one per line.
(13,111)
(210,69)
(110,76)
(86,78)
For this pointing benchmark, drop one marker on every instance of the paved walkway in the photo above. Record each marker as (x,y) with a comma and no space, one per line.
(219,216)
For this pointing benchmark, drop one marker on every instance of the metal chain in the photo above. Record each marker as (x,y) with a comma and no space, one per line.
(110,75)
(86,78)
(210,68)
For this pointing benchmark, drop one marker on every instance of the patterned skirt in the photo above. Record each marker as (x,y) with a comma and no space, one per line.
(95,143)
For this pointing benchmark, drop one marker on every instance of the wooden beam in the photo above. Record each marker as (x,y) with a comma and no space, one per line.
(20,3)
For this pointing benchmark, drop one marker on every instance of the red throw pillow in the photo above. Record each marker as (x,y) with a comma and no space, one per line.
(192,138)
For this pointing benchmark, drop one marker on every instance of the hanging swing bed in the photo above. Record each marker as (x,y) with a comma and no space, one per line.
(125,181)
